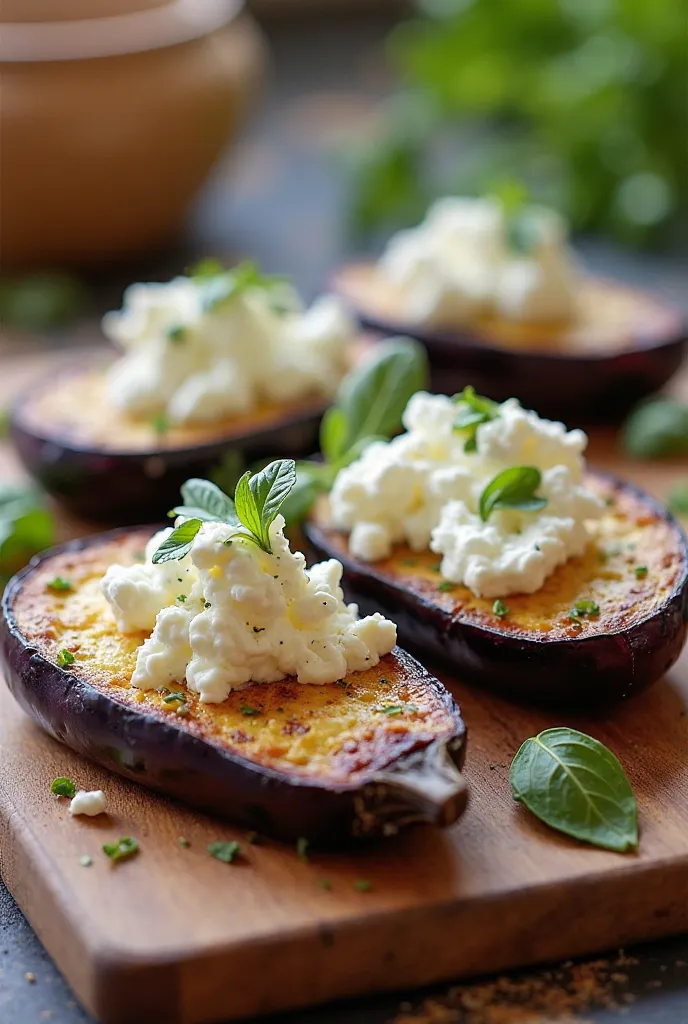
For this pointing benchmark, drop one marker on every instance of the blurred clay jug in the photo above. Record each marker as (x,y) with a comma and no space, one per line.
(112,113)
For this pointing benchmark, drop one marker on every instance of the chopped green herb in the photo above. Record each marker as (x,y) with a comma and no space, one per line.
(63,787)
(586,608)
(640,572)
(252,838)
(58,584)
(177,333)
(160,423)
(226,852)
(181,598)
(409,561)
(397,709)
(64,658)
(85,860)
(171,698)
(437,567)
(247,710)
(446,586)
(183,842)
(302,848)
(125,847)
(610,500)
(324,884)
(500,609)
(363,885)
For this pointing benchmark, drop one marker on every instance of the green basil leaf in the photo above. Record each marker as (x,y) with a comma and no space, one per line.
(513,488)
(312,479)
(656,429)
(576,785)
(374,396)
(204,500)
(179,542)
(334,429)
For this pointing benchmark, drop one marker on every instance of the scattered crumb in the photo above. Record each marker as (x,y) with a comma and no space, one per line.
(30,977)
(564,995)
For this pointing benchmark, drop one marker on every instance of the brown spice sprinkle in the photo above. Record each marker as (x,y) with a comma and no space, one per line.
(557,996)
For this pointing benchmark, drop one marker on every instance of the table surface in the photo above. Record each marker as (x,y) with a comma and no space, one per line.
(280,198)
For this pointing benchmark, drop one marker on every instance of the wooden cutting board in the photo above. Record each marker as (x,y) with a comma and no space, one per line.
(175,937)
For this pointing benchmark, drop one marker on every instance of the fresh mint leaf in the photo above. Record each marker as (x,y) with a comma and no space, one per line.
(205,501)
(500,609)
(576,785)
(513,488)
(209,266)
(63,787)
(219,289)
(656,429)
(179,542)
(373,396)
(259,498)
(472,411)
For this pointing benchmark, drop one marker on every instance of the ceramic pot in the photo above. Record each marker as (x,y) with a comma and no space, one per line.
(113,112)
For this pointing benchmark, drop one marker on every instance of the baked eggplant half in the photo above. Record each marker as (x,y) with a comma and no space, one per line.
(357,758)
(106,467)
(603,627)
(623,344)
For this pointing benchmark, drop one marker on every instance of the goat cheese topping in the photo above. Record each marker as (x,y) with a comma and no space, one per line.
(229,614)
(462,263)
(88,803)
(195,354)
(424,488)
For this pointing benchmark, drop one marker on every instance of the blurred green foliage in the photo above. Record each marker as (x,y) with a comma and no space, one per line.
(583,100)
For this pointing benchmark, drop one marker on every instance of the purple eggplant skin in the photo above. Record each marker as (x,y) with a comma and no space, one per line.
(575,387)
(587,389)
(578,674)
(141,486)
(168,758)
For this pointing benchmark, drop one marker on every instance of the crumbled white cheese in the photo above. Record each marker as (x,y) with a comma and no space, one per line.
(423,488)
(198,364)
(88,803)
(248,617)
(458,265)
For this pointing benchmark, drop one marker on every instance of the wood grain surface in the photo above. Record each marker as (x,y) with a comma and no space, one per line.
(175,937)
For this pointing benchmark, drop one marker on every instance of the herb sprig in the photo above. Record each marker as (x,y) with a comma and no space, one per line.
(257,502)
(472,411)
